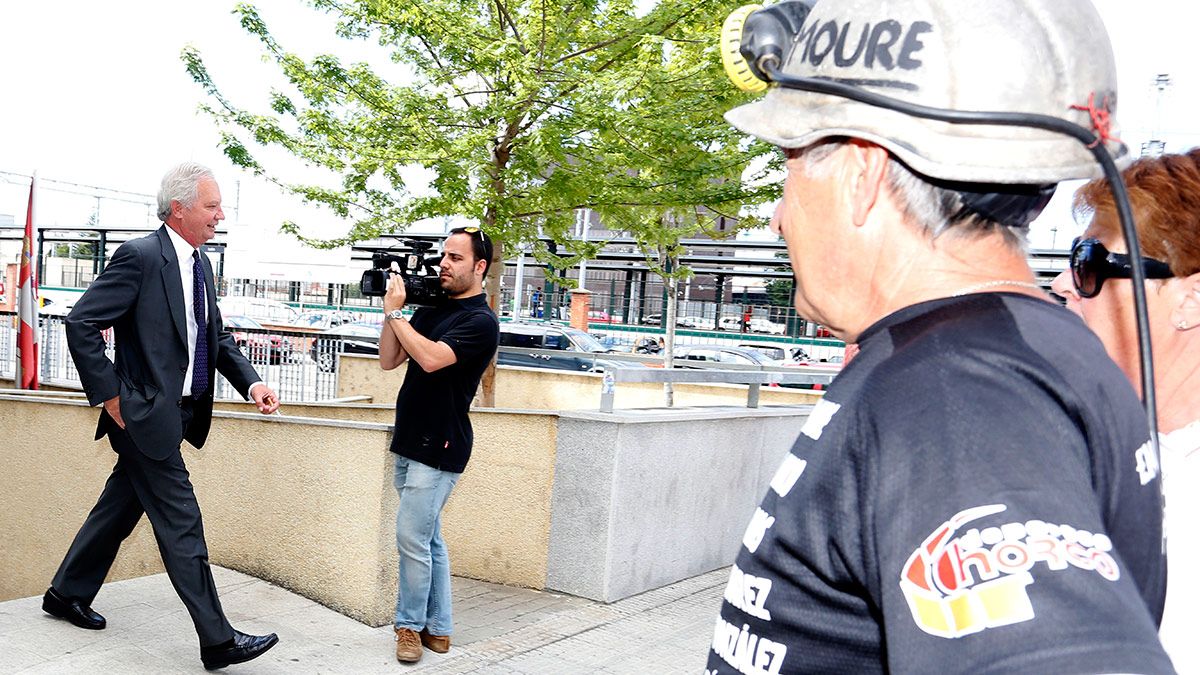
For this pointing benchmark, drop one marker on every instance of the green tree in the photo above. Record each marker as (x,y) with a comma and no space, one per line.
(523,111)
(780,291)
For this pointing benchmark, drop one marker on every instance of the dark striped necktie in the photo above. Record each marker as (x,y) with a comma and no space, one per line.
(200,364)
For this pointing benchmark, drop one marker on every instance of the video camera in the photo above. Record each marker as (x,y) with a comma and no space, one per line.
(421,279)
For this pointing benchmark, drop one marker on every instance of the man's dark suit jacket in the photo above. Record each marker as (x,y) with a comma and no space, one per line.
(140,296)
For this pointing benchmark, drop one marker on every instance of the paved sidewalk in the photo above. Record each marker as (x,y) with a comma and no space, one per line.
(498,630)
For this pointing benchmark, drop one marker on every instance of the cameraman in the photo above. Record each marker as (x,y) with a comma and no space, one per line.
(449,346)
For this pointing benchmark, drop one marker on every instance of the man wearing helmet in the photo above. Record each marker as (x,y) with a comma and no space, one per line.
(972,493)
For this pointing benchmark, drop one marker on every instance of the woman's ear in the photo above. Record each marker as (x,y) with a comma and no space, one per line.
(1186,313)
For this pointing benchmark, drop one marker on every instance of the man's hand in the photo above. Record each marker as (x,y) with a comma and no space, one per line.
(113,406)
(265,398)
(396,293)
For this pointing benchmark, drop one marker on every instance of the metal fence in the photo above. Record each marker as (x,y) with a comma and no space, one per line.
(300,366)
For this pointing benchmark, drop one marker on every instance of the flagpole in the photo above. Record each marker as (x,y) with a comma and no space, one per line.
(28,339)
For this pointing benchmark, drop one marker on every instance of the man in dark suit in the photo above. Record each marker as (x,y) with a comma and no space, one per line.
(157,295)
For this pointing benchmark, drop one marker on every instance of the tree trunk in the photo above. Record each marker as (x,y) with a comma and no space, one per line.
(487,391)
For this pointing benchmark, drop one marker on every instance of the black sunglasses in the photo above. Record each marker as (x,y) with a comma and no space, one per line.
(1091,264)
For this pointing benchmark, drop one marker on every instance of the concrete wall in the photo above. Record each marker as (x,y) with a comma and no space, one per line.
(52,474)
(642,500)
(305,503)
(597,505)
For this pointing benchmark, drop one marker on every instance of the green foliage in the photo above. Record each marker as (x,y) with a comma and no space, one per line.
(780,291)
(523,111)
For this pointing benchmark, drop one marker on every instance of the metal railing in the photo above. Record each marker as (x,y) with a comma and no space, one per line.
(300,366)
(754,378)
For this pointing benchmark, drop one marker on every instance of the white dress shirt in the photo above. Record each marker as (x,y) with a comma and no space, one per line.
(1181,483)
(183,251)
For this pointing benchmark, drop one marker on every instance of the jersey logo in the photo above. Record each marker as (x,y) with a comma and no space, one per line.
(821,413)
(757,529)
(1147,463)
(959,585)
(787,474)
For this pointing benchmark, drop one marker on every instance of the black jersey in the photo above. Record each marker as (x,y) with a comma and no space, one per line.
(432,425)
(973,494)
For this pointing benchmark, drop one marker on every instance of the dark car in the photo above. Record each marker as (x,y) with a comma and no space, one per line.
(358,337)
(577,348)
(255,342)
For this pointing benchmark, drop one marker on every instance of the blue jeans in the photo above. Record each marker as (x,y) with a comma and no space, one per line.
(423,595)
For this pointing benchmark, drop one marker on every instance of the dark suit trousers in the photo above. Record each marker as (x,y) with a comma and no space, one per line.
(163,491)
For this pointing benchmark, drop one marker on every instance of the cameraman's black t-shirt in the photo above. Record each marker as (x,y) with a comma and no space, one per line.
(972,495)
(432,426)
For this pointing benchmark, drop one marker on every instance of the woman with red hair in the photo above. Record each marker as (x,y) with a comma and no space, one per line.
(1165,195)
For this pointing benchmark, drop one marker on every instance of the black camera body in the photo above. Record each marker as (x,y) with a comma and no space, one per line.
(422,283)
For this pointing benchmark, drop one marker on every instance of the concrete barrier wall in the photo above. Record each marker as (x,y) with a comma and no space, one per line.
(305,503)
(643,500)
(602,506)
(52,474)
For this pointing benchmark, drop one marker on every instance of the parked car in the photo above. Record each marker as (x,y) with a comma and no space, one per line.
(730,323)
(652,319)
(716,355)
(775,352)
(692,322)
(260,347)
(600,316)
(765,326)
(259,309)
(358,337)
(577,348)
(324,318)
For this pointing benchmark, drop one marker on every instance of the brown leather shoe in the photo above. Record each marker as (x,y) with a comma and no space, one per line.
(435,643)
(408,645)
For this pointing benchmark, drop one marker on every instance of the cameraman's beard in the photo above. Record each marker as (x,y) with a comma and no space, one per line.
(453,285)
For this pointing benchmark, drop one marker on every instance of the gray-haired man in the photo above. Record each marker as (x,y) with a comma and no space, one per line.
(966,497)
(158,297)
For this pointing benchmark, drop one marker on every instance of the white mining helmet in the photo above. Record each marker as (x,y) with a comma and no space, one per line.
(1046,57)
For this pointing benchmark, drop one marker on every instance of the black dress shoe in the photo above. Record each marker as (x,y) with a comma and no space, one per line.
(240,649)
(72,610)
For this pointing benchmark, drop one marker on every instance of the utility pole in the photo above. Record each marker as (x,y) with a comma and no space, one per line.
(1155,147)
(517,287)
(582,216)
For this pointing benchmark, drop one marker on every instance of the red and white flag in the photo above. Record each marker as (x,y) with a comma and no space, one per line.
(27,305)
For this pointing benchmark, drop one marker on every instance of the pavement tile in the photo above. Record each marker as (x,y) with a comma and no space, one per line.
(53,637)
(244,600)
(310,623)
(121,657)
(499,631)
(15,615)
(14,657)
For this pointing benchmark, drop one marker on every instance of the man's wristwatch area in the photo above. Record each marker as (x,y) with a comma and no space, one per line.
(395,314)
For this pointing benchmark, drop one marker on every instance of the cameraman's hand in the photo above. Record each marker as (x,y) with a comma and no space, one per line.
(396,294)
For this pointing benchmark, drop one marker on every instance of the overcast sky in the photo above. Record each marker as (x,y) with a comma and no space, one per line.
(94,93)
